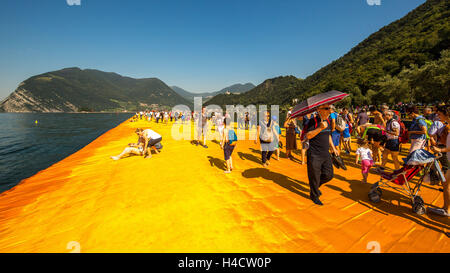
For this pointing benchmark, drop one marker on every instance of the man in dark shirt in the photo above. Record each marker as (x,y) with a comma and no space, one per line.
(361,120)
(319,163)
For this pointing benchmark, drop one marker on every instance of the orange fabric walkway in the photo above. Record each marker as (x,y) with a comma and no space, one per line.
(181,201)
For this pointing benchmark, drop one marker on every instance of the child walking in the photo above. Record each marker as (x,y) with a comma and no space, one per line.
(365,154)
(347,139)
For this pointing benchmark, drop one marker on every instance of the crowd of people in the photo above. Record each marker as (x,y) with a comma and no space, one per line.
(379,133)
(162,116)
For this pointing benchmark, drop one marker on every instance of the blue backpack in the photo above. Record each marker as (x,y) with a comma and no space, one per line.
(232,137)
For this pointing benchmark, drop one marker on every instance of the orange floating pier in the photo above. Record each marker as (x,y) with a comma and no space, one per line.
(181,201)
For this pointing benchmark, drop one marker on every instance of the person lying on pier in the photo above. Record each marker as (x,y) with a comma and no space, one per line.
(151,139)
(133,148)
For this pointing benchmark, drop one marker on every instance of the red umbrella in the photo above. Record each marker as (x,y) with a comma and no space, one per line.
(311,104)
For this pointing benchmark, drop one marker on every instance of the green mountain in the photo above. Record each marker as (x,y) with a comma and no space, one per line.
(401,62)
(236,88)
(267,92)
(73,89)
(185,94)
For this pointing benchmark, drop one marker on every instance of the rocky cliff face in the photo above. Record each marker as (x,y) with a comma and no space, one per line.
(73,90)
(24,101)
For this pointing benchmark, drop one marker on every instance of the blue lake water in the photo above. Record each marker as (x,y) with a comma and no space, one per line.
(27,148)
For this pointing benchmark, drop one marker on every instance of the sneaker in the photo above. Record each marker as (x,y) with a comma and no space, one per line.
(317,201)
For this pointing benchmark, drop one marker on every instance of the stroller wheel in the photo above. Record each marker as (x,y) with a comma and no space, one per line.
(374,197)
(418,205)
(380,192)
(375,193)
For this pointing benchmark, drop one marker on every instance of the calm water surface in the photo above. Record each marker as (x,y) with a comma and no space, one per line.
(27,148)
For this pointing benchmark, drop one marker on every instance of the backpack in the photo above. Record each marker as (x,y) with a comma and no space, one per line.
(429,123)
(267,135)
(278,129)
(350,125)
(232,137)
(303,133)
(397,115)
(340,123)
(158,146)
(316,125)
(403,135)
(373,127)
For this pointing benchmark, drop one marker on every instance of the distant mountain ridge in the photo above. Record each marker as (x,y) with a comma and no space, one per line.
(73,89)
(369,70)
(236,88)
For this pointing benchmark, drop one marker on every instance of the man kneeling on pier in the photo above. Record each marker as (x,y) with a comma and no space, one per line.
(152,141)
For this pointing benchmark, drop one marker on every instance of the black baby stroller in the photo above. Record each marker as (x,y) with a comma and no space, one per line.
(419,162)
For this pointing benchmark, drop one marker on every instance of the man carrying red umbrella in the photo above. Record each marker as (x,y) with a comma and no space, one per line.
(319,162)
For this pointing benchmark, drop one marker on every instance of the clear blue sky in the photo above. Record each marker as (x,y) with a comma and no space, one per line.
(200,46)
